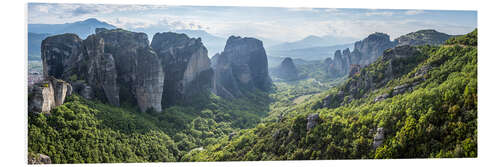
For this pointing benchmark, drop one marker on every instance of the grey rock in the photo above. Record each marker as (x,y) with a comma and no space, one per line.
(112,65)
(312,121)
(287,70)
(379,137)
(381,97)
(186,64)
(46,95)
(39,159)
(373,47)
(354,69)
(241,66)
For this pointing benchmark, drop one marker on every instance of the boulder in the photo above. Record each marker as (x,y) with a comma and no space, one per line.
(379,137)
(312,121)
(39,159)
(381,97)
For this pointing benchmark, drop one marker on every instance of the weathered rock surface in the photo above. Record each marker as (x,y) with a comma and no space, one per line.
(391,67)
(369,49)
(312,121)
(115,66)
(340,64)
(46,95)
(186,65)
(379,137)
(39,159)
(373,47)
(287,70)
(242,66)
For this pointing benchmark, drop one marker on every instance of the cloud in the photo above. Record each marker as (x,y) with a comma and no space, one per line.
(384,13)
(414,12)
(84,10)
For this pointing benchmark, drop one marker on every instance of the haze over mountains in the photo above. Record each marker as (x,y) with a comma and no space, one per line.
(313,45)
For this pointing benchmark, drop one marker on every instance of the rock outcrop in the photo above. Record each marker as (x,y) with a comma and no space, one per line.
(379,137)
(39,159)
(287,70)
(46,95)
(423,37)
(186,65)
(340,64)
(390,66)
(312,121)
(241,66)
(373,47)
(115,66)
(354,69)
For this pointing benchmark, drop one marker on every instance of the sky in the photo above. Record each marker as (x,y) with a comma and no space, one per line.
(279,24)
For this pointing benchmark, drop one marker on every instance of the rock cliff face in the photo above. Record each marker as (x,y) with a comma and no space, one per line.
(340,64)
(242,65)
(287,70)
(49,93)
(115,66)
(369,49)
(391,67)
(372,47)
(186,66)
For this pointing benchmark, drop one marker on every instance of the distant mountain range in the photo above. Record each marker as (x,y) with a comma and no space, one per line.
(37,32)
(312,53)
(80,28)
(34,42)
(312,41)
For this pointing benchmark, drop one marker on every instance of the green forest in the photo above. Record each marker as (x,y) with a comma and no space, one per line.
(435,117)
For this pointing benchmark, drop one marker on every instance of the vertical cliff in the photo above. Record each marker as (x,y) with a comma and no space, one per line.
(186,65)
(243,65)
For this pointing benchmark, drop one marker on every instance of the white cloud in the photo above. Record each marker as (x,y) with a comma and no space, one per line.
(385,13)
(414,12)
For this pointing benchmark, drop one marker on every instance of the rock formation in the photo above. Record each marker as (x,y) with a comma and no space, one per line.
(39,159)
(287,70)
(369,49)
(423,37)
(379,137)
(354,69)
(312,121)
(46,95)
(186,65)
(373,47)
(241,66)
(115,66)
(390,68)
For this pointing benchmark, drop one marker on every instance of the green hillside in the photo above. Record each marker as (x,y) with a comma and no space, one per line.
(437,117)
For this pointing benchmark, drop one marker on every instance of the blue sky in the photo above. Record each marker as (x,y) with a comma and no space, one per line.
(280,24)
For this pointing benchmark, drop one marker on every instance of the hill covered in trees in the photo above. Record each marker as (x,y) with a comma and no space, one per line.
(427,109)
